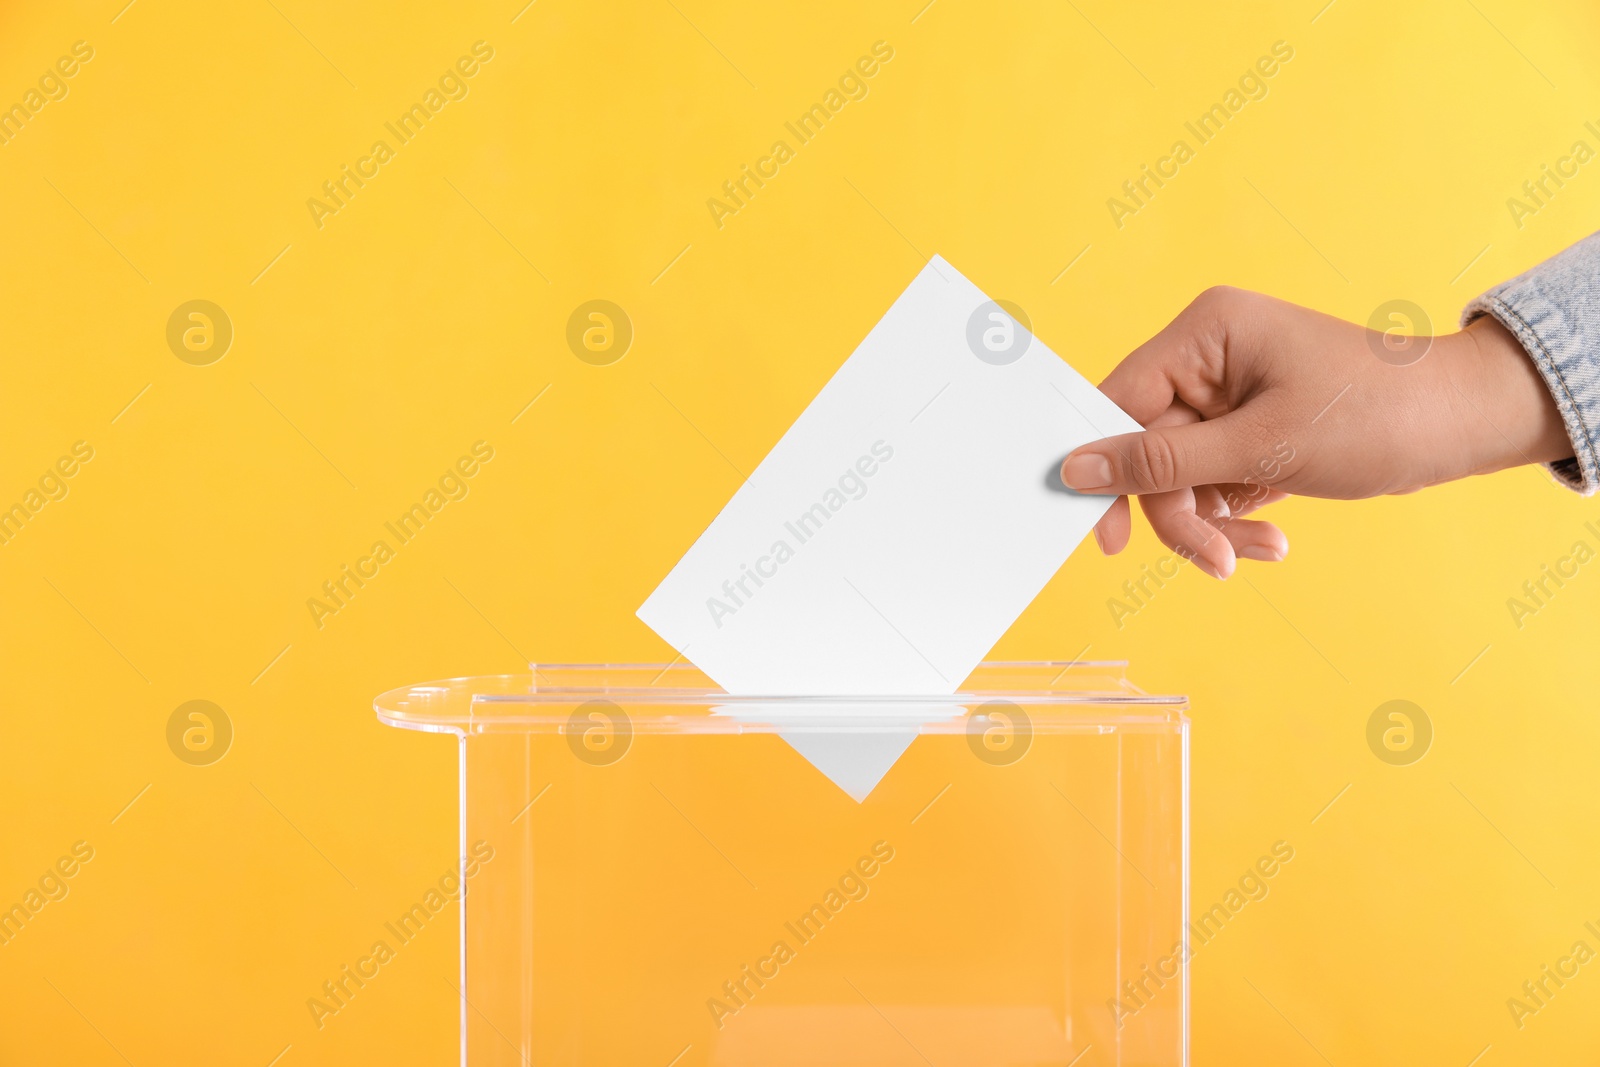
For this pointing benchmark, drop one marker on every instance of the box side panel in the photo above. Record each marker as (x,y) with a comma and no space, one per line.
(714,900)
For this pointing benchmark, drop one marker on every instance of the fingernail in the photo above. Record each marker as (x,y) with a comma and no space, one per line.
(1088,471)
(1101,541)
(1261,553)
(1221,572)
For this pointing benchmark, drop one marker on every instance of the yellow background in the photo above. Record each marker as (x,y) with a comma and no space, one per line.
(427,314)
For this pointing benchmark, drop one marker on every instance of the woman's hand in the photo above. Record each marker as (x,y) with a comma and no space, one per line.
(1247,399)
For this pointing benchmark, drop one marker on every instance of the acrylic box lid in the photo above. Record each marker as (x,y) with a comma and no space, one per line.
(678,698)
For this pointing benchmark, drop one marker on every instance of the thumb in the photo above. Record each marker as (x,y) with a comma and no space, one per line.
(1162,459)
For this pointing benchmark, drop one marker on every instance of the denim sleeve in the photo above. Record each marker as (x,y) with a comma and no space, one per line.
(1554,311)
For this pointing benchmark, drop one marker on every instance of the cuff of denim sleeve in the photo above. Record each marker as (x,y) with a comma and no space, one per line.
(1561,347)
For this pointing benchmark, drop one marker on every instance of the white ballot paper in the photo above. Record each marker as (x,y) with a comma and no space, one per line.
(903,522)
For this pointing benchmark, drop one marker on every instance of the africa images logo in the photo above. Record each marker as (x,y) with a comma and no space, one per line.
(852,485)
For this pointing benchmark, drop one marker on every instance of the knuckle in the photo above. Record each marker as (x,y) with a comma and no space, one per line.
(1220,301)
(1217,294)
(1211,320)
(1152,463)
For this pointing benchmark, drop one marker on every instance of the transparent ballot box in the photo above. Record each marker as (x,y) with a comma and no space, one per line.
(656,872)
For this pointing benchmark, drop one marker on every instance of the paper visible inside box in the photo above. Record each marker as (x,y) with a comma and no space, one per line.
(854,744)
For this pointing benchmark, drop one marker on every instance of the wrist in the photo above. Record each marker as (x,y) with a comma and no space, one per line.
(1515,419)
